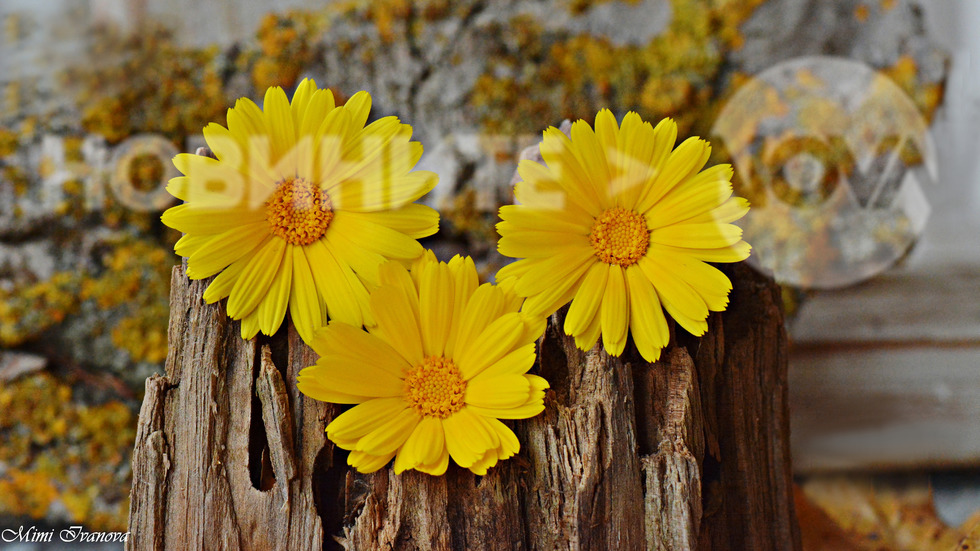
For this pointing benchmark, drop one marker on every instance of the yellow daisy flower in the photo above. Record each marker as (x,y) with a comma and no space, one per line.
(300,208)
(446,361)
(619,223)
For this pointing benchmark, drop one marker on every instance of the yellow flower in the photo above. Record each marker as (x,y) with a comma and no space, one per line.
(300,208)
(619,224)
(446,361)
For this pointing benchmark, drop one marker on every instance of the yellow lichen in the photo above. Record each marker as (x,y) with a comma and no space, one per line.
(60,450)
(285,48)
(9,142)
(145,82)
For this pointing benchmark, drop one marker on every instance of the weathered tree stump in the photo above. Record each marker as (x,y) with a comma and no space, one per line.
(690,452)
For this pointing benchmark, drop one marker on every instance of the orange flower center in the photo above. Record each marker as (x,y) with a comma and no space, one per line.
(620,236)
(298,211)
(435,388)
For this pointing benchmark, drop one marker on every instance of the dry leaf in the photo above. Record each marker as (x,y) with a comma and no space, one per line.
(883,513)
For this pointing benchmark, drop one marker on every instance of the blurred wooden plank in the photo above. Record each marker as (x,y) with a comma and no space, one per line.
(933,303)
(887,374)
(893,406)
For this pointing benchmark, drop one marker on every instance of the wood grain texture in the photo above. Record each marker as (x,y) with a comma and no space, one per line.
(690,452)
(226,445)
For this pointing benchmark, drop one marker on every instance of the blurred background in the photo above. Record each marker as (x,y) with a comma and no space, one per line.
(851,125)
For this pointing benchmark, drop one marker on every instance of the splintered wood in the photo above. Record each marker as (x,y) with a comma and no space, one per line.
(690,452)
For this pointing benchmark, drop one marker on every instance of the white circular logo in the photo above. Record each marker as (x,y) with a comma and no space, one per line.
(832,155)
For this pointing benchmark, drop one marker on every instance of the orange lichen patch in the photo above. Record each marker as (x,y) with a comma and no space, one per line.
(888,5)
(285,48)
(28,309)
(145,82)
(905,73)
(385,14)
(9,141)
(29,493)
(862,12)
(60,451)
(559,76)
(137,284)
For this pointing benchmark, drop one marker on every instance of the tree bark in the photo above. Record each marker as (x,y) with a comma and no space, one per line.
(690,452)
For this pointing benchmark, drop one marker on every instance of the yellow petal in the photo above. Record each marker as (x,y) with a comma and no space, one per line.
(521,217)
(698,236)
(280,123)
(550,300)
(683,162)
(509,444)
(305,307)
(311,383)
(586,303)
(673,290)
(224,145)
(367,463)
(531,244)
(647,322)
(221,286)
(414,220)
(355,378)
(493,343)
(187,244)
(517,362)
(524,411)
(702,193)
(424,446)
(589,336)
(373,237)
(707,281)
(272,309)
(559,154)
(363,262)
(489,459)
(320,106)
(467,439)
(502,391)
(438,467)
(340,289)
(190,218)
(615,312)
(250,325)
(301,101)
(560,271)
(359,107)
(364,418)
(634,162)
(436,302)
(389,437)
(465,282)
(486,304)
(397,322)
(255,279)
(215,254)
(357,346)
(729,211)
(592,158)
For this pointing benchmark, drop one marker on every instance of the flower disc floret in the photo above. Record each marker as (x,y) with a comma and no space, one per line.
(435,388)
(298,211)
(620,236)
